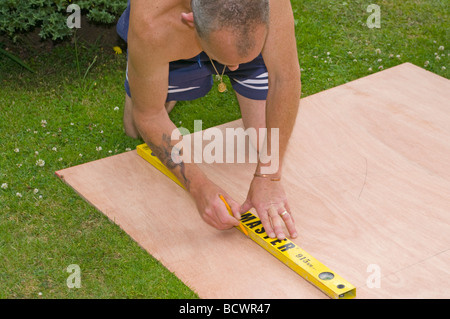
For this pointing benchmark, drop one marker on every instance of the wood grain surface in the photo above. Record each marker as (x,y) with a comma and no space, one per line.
(367,175)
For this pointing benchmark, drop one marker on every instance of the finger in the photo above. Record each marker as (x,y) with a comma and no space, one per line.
(234,206)
(264,217)
(211,218)
(223,215)
(217,223)
(246,206)
(288,208)
(277,223)
(210,221)
(289,222)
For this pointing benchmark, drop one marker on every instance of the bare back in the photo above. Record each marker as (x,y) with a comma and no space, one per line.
(158,28)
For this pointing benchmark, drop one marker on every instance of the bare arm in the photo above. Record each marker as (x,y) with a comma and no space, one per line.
(281,58)
(266,194)
(148,75)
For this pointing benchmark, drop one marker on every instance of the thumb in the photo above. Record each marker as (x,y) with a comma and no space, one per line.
(235,209)
(232,207)
(246,206)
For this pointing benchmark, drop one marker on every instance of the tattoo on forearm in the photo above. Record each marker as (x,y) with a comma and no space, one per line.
(164,153)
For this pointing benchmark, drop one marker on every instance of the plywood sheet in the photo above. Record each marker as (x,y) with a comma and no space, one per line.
(367,175)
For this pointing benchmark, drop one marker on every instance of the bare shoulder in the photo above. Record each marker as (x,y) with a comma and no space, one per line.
(281,18)
(156,27)
(156,36)
(147,16)
(280,49)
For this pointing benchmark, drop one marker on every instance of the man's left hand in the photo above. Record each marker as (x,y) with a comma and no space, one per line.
(269,200)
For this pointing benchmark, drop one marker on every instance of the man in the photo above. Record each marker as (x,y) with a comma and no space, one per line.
(173,48)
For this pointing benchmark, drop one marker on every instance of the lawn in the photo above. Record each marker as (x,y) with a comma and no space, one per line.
(69,112)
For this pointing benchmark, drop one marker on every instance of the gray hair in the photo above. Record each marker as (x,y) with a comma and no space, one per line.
(240,16)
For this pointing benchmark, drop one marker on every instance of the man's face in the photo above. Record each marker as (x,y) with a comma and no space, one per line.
(222,47)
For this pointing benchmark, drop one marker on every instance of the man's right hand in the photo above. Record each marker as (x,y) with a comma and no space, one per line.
(211,207)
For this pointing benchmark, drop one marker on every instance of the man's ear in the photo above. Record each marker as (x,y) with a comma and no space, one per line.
(188,18)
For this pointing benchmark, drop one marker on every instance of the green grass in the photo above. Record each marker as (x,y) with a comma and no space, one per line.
(64,119)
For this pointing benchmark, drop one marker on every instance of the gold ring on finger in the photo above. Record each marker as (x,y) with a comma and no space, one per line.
(284,213)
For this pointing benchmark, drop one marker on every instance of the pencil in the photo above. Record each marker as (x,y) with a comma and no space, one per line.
(231,213)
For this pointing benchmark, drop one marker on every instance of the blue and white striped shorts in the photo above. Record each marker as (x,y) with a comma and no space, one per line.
(192,79)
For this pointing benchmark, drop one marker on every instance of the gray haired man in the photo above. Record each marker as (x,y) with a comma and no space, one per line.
(174,46)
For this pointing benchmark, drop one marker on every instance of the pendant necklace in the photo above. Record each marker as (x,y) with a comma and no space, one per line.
(222,86)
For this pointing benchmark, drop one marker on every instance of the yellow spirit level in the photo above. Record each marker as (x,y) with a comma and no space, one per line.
(284,250)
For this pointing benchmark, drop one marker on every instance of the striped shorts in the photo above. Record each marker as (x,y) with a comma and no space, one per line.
(192,79)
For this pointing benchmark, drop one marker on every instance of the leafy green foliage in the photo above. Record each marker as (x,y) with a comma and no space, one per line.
(21,16)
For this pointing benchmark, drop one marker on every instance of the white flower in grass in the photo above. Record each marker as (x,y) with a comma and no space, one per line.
(80,155)
(54,149)
(35,191)
(378,51)
(98,148)
(444,68)
(4,185)
(438,57)
(116,108)
(441,48)
(380,67)
(426,63)
(40,163)
(16,150)
(19,195)
(128,149)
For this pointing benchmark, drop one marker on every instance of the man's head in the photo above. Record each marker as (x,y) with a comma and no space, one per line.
(231,31)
